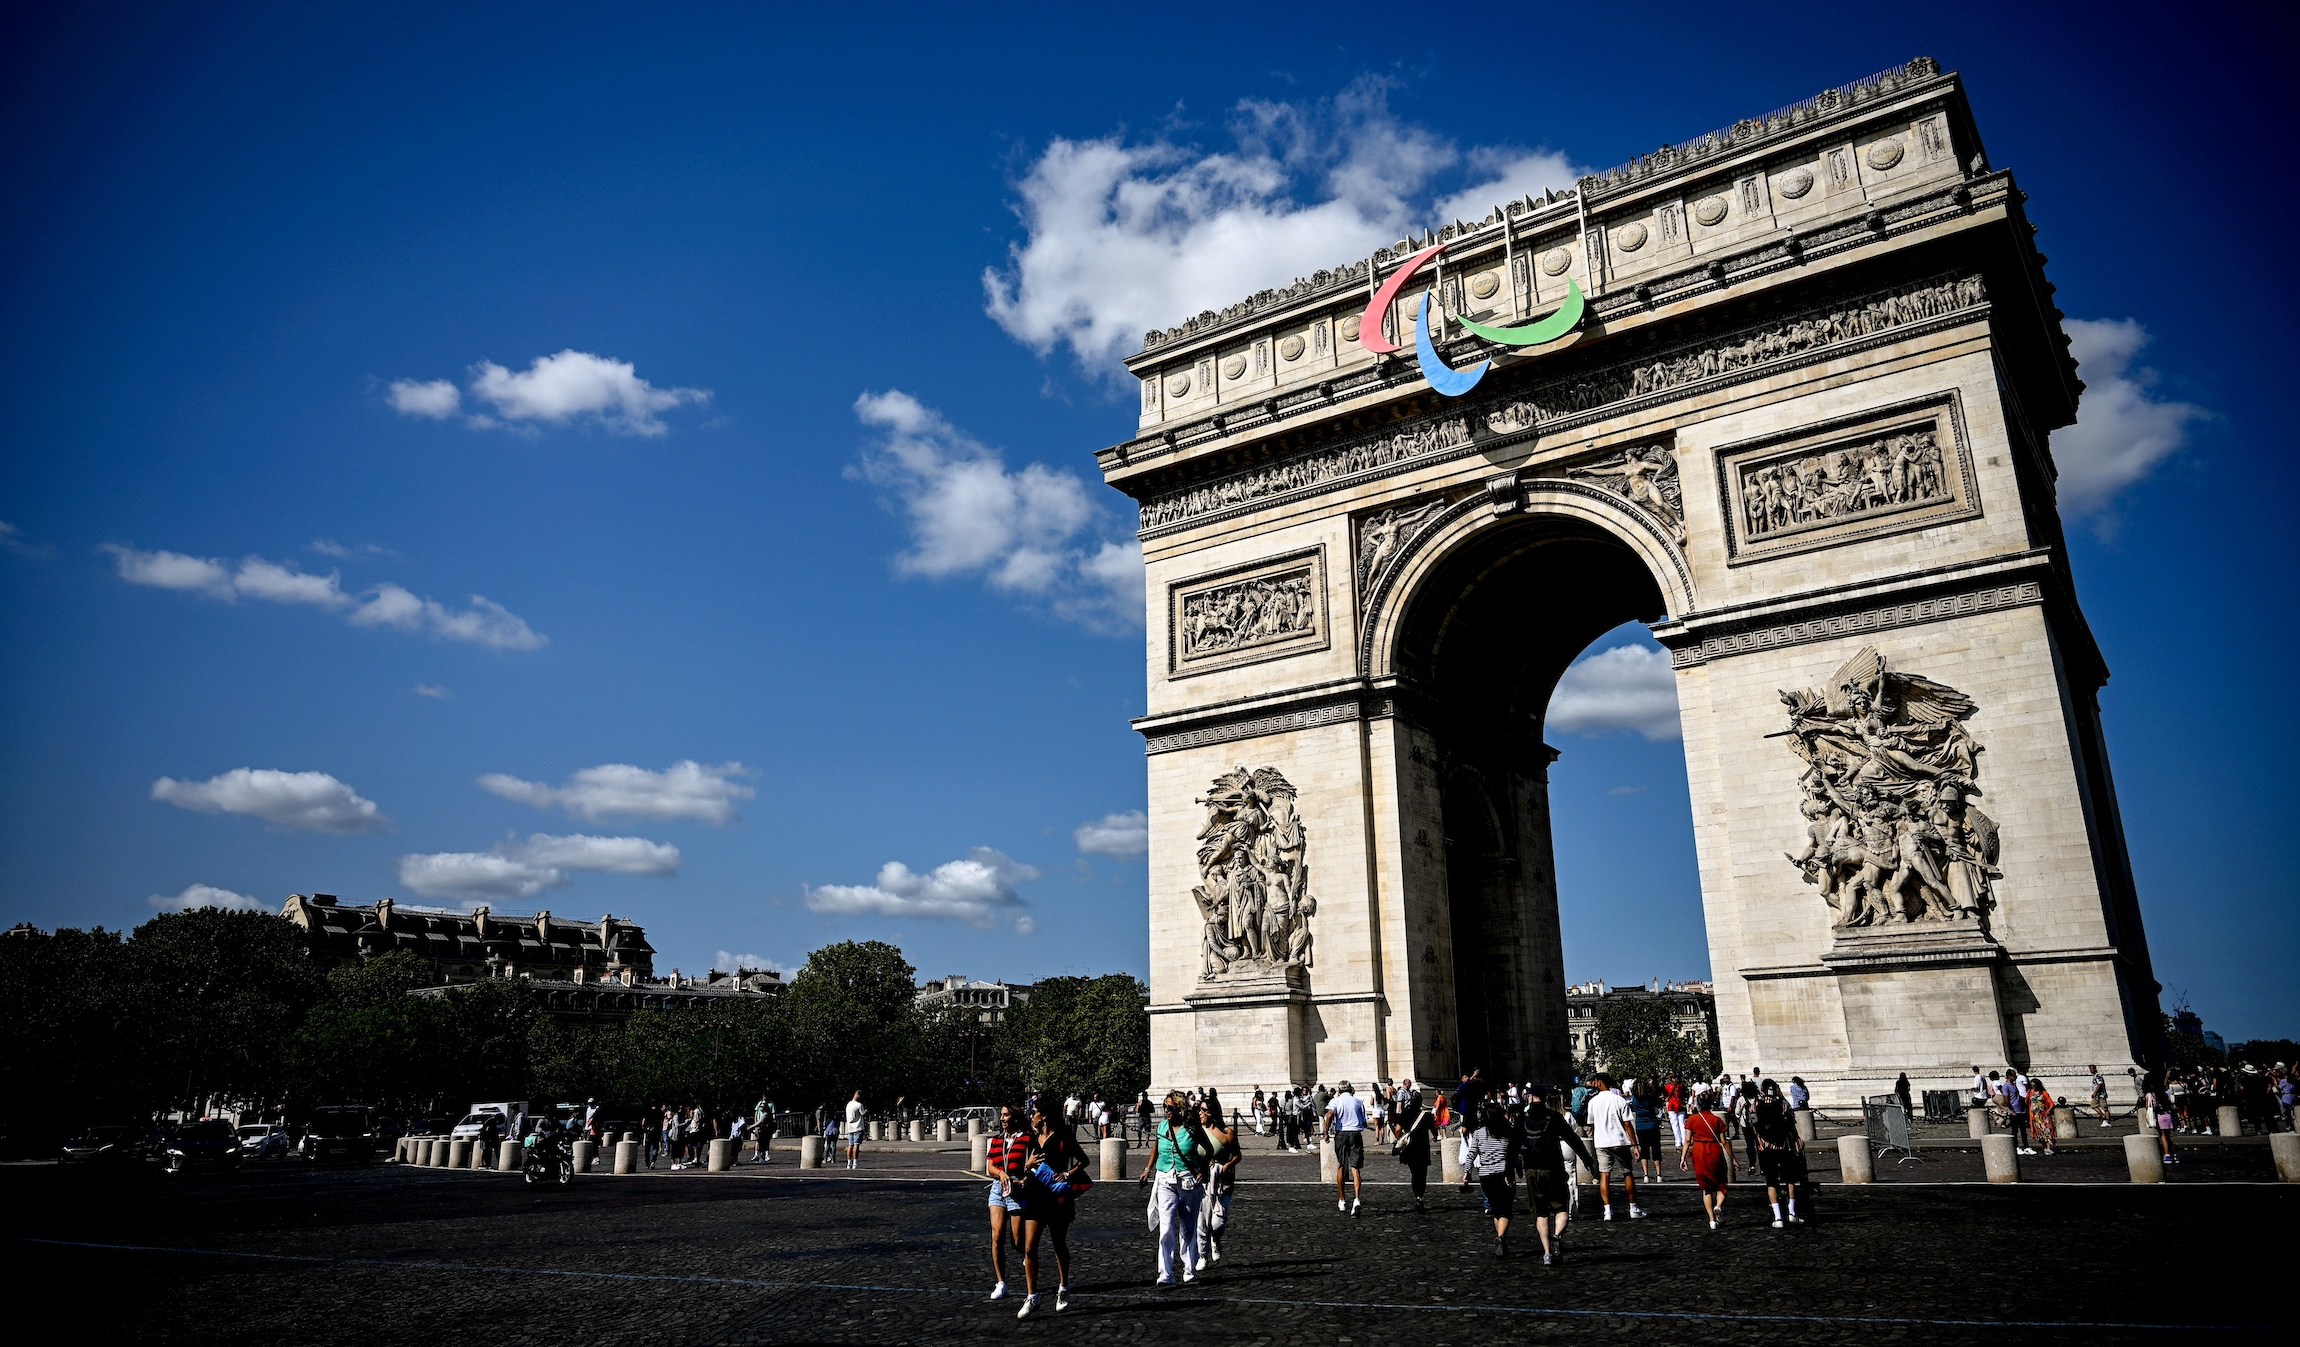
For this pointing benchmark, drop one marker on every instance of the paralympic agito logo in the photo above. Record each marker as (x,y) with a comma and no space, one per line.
(1445,378)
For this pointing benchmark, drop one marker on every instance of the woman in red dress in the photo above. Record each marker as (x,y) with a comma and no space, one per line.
(1709,1154)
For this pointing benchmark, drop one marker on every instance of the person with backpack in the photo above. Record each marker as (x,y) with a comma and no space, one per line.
(1176,1175)
(1052,1177)
(1780,1152)
(1545,1138)
(1492,1157)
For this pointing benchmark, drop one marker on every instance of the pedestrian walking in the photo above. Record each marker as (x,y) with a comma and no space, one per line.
(1491,1158)
(856,1119)
(1645,1111)
(2099,1094)
(2040,1124)
(1901,1092)
(1545,1138)
(1673,1107)
(2156,1107)
(1176,1177)
(1780,1152)
(1221,1179)
(1052,1175)
(1611,1134)
(1002,1156)
(1345,1125)
(1416,1127)
(1708,1156)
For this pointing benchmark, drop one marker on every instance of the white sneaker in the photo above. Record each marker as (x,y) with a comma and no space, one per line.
(1354,1205)
(1061,1299)
(998,1292)
(1163,1281)
(1340,1205)
(1636,1213)
(1776,1224)
(1795,1219)
(1029,1303)
(1609,1213)
(1188,1276)
(1201,1263)
(1217,1253)
(1712,1225)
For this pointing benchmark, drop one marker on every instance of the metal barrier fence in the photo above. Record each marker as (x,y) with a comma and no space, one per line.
(1886,1124)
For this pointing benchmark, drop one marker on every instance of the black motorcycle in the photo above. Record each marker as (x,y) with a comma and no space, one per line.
(550,1158)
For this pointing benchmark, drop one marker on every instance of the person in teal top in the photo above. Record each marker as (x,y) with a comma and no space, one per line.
(1177,1175)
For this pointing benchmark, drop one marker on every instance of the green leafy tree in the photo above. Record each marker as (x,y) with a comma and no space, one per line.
(223,992)
(852,1020)
(71,1036)
(369,1042)
(1637,1037)
(1075,1034)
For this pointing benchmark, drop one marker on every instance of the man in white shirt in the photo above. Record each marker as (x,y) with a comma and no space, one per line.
(854,1130)
(2099,1095)
(1345,1122)
(1613,1136)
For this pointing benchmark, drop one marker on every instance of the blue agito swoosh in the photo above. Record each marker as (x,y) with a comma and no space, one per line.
(1443,377)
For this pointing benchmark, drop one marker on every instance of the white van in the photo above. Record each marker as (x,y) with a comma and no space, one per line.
(507,1118)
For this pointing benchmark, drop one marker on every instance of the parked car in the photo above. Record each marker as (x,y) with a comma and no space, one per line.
(987,1112)
(474,1125)
(263,1141)
(208,1144)
(106,1145)
(344,1134)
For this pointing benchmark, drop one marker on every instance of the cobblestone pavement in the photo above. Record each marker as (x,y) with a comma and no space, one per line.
(283,1253)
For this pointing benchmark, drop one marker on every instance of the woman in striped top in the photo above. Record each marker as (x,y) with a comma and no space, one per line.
(1004,1153)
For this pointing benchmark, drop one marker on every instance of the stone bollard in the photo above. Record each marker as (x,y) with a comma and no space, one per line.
(2144,1159)
(434,1152)
(1113,1160)
(2064,1122)
(722,1155)
(1805,1132)
(422,1152)
(585,1153)
(918,1129)
(1977,1123)
(810,1151)
(459,1154)
(975,1128)
(1582,1173)
(942,1130)
(1854,1163)
(978,1154)
(507,1156)
(399,1151)
(2000,1158)
(878,1130)
(2285,1147)
(479,1155)
(2231,1122)
(629,1156)
(1329,1168)
(1449,1156)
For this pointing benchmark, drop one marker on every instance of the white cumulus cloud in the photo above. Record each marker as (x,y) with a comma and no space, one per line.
(570,388)
(979,890)
(484,623)
(299,801)
(687,789)
(2121,431)
(434,691)
(1035,533)
(197,896)
(1629,687)
(1125,236)
(524,868)
(725,961)
(1122,835)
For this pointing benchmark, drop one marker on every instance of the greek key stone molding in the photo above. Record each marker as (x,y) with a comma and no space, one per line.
(1251,727)
(1265,610)
(1859,622)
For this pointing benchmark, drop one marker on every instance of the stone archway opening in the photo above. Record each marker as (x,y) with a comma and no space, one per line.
(1487,633)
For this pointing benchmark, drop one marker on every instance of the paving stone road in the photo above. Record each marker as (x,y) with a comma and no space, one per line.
(283,1253)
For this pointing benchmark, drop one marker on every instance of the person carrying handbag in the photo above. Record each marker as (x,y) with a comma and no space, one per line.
(1176,1177)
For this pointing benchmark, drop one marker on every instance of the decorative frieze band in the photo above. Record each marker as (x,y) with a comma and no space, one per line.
(1331,713)
(1859,622)
(1677,372)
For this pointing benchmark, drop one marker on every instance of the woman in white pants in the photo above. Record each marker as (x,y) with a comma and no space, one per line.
(1221,1178)
(1176,1176)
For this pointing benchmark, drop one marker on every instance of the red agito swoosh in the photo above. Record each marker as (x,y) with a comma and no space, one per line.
(1370,326)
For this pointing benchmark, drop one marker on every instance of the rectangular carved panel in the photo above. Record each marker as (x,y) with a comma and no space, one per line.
(1883,472)
(1268,610)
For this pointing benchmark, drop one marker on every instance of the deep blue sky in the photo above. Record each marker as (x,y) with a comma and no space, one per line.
(228,231)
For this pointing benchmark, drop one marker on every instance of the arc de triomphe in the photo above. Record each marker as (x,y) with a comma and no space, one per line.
(1797,425)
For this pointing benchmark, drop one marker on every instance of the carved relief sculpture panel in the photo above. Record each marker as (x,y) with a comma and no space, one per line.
(1264,611)
(1647,478)
(1892,837)
(1883,473)
(1253,876)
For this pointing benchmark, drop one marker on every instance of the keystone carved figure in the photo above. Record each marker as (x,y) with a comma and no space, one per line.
(1253,889)
(1891,835)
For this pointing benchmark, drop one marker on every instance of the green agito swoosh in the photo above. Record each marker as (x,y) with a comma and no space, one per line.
(1567,318)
